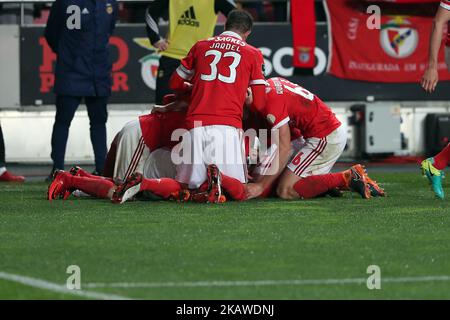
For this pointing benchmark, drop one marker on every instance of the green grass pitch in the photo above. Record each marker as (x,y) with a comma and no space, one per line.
(165,250)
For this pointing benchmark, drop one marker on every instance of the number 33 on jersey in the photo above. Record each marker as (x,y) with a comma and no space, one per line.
(221,69)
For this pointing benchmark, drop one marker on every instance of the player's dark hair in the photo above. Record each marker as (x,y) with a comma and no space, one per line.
(239,20)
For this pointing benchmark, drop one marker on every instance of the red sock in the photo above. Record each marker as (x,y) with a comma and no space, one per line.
(233,187)
(203,187)
(267,192)
(442,159)
(314,186)
(163,187)
(84,173)
(95,187)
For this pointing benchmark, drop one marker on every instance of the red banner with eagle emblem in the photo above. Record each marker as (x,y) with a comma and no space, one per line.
(394,51)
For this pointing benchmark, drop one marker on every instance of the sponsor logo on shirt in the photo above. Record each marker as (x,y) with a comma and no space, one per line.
(188,18)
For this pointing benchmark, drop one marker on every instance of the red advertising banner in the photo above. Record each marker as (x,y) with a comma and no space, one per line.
(394,52)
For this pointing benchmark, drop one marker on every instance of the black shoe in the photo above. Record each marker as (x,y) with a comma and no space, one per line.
(51,176)
(335,193)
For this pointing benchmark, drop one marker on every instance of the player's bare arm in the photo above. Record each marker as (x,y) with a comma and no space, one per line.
(263,182)
(431,77)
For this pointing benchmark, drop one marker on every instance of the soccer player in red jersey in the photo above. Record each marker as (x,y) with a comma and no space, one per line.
(318,141)
(221,69)
(218,70)
(433,167)
(431,76)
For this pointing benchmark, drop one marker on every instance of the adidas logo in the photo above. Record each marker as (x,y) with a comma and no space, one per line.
(188,18)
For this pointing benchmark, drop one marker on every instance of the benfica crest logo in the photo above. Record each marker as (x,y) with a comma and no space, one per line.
(304,54)
(398,38)
(149,63)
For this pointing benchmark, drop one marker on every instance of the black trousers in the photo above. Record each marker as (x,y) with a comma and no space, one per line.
(2,149)
(65,111)
(167,66)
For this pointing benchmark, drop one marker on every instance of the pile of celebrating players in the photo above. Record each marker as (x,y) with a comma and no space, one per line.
(227,133)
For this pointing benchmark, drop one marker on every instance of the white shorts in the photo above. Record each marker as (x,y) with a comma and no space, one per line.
(315,156)
(159,165)
(131,151)
(215,144)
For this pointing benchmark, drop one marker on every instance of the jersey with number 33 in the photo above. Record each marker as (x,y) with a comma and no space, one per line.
(221,69)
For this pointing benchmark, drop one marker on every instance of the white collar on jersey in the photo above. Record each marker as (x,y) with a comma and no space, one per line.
(231,34)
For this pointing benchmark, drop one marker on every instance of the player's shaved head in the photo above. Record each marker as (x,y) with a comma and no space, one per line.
(239,20)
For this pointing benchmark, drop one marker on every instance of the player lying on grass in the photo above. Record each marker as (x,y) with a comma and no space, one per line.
(77,179)
(139,155)
(138,138)
(318,140)
(433,169)
(142,146)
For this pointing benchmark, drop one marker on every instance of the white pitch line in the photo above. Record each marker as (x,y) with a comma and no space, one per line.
(50,286)
(296,282)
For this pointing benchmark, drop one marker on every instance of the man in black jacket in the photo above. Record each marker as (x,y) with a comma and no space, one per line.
(78,31)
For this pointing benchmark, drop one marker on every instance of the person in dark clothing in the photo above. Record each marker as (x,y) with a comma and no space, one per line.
(83,69)
(189,22)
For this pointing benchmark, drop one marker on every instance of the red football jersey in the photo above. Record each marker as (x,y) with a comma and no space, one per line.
(157,128)
(221,69)
(306,114)
(446,5)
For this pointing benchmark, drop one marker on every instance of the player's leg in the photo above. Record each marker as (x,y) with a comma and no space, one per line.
(2,153)
(190,162)
(80,172)
(164,187)
(5,175)
(442,159)
(226,151)
(298,181)
(65,183)
(65,111)
(157,180)
(110,161)
(308,174)
(131,151)
(233,187)
(264,165)
(433,168)
(98,115)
